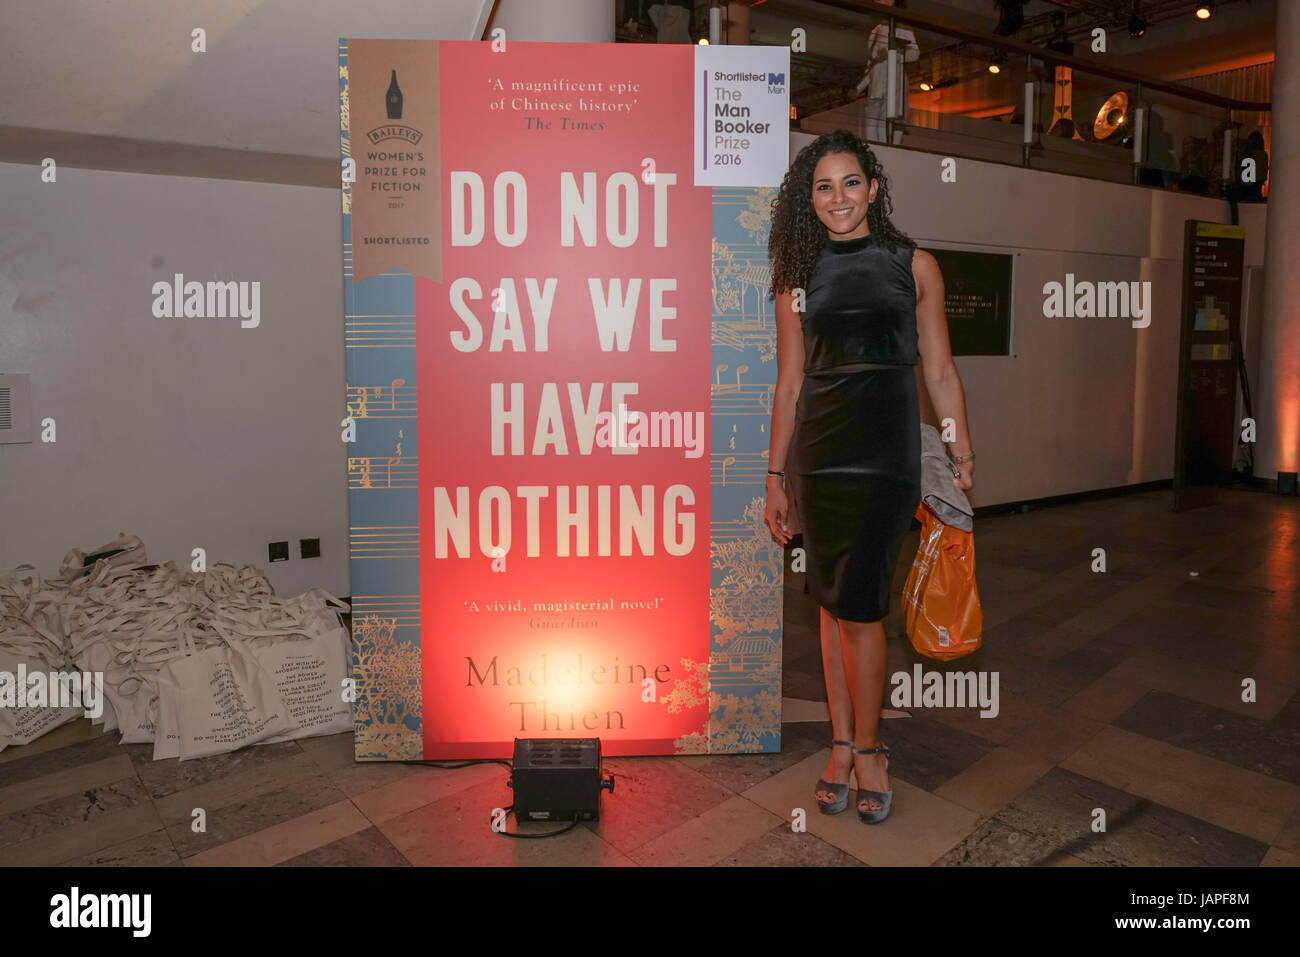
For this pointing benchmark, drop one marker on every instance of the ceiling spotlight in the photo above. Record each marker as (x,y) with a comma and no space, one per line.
(1011,17)
(996,61)
(1205,10)
(926,86)
(1060,41)
(994,68)
(1136,25)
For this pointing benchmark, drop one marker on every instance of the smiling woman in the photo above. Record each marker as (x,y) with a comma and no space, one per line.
(857,307)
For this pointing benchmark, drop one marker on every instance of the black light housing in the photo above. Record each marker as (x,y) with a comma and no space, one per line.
(1060,41)
(1136,25)
(558,779)
(1011,17)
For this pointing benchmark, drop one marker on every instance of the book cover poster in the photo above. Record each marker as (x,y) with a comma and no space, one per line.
(535,547)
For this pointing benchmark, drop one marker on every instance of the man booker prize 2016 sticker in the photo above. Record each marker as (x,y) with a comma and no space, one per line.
(742,115)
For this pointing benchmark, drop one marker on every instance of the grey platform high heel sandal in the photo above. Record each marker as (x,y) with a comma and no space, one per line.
(883,798)
(841,791)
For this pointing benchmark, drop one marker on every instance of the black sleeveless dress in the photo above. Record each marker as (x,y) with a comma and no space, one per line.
(854,466)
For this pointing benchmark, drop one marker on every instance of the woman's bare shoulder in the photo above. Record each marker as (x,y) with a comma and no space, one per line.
(926,272)
(922,260)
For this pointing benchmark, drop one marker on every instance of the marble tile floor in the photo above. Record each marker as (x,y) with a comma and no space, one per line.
(1147,715)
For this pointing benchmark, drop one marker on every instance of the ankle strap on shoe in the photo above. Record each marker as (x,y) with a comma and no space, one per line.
(880,750)
(847,744)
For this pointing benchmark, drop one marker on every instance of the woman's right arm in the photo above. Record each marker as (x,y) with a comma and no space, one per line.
(789,380)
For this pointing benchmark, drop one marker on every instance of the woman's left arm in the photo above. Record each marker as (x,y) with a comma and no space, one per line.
(937,367)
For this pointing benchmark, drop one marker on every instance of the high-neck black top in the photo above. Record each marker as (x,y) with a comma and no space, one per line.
(861,305)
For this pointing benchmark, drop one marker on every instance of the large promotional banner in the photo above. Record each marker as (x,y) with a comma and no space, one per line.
(533,318)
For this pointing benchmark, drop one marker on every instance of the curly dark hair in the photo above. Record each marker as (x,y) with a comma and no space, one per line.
(797,234)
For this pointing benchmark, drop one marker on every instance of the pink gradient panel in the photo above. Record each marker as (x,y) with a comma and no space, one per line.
(499,662)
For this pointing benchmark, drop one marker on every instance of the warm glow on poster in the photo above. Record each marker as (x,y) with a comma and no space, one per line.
(563,403)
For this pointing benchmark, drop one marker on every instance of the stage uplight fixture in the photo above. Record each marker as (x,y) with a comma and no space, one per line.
(558,779)
(1113,119)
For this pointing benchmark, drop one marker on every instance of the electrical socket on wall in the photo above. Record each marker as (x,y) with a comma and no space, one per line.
(278,551)
(309,547)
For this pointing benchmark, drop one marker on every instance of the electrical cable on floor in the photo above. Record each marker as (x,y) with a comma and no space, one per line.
(533,837)
(443,765)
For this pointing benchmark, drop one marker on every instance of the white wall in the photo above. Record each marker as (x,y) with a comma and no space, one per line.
(187,432)
(196,432)
(268,81)
(1082,404)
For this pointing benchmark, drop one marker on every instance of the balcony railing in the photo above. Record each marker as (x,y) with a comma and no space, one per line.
(1042,108)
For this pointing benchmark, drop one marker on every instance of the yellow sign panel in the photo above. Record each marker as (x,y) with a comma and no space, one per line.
(1222,230)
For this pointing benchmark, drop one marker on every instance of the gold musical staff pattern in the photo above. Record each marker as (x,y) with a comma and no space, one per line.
(385,541)
(738,468)
(393,401)
(379,332)
(380,472)
(743,399)
(403,610)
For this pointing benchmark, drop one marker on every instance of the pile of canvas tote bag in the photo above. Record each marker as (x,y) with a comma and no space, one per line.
(31,640)
(196,663)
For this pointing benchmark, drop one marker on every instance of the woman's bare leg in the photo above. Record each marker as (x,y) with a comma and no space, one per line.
(840,701)
(863,647)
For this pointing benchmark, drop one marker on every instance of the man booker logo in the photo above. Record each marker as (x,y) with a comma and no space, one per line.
(102,910)
(776,83)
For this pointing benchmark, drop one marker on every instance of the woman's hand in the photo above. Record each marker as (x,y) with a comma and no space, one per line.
(966,475)
(776,513)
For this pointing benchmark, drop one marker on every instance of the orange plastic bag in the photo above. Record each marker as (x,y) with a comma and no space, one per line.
(941,605)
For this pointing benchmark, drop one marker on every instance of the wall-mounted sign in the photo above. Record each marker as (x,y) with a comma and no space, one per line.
(977,301)
(742,115)
(1213,258)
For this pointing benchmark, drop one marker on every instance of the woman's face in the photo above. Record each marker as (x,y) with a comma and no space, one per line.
(842,194)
